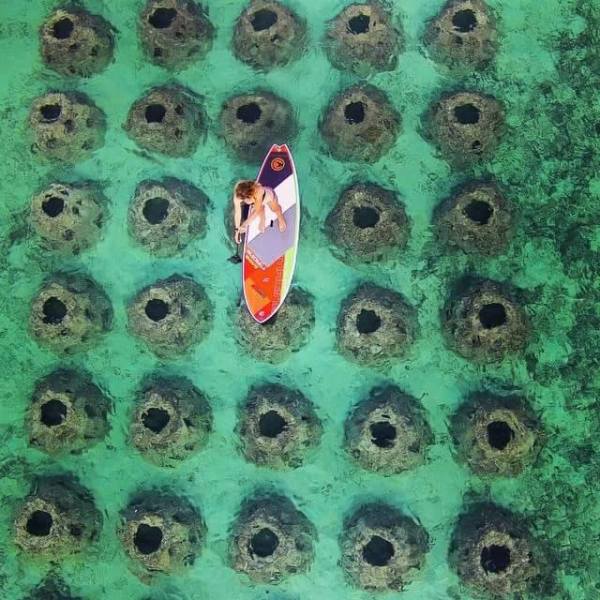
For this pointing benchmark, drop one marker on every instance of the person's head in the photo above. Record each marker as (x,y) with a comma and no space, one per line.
(245,190)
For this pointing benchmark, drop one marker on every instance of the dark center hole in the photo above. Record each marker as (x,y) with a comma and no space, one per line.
(378,551)
(271,424)
(355,112)
(155,113)
(263,19)
(492,315)
(499,434)
(359,24)
(157,309)
(155,419)
(495,559)
(50,112)
(53,413)
(464,20)
(383,434)
(478,211)
(264,543)
(53,206)
(39,523)
(249,113)
(367,321)
(156,210)
(54,311)
(63,28)
(365,217)
(162,18)
(467,114)
(147,539)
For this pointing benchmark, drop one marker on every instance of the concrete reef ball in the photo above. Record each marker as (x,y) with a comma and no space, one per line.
(66,127)
(277,426)
(368,223)
(268,35)
(375,325)
(52,588)
(70,313)
(388,432)
(174,33)
(251,122)
(271,539)
(382,549)
(57,519)
(466,126)
(171,421)
(161,533)
(363,39)
(492,552)
(167,120)
(68,413)
(165,216)
(463,35)
(171,315)
(484,322)
(477,219)
(69,217)
(496,435)
(360,124)
(75,42)
(282,334)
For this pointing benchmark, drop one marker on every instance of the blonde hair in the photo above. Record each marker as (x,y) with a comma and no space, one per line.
(245,189)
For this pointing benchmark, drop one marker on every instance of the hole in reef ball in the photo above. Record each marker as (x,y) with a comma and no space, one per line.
(499,434)
(50,112)
(492,315)
(162,18)
(147,539)
(156,210)
(155,113)
(365,217)
(495,559)
(359,24)
(355,112)
(249,113)
(367,321)
(383,434)
(54,311)
(467,114)
(156,419)
(378,551)
(156,309)
(39,523)
(63,28)
(53,413)
(53,206)
(464,20)
(479,212)
(263,19)
(264,543)
(271,424)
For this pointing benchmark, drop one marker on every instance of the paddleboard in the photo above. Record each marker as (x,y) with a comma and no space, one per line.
(270,256)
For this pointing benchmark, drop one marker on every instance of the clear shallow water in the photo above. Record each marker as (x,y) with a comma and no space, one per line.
(547,165)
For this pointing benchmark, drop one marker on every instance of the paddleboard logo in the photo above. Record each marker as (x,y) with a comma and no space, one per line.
(278,164)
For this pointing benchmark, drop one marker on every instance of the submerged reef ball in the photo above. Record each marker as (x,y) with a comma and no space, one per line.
(492,552)
(278,426)
(382,549)
(388,432)
(466,126)
(168,120)
(175,33)
(375,325)
(68,413)
(165,216)
(268,34)
(463,35)
(171,315)
(70,313)
(161,533)
(477,219)
(496,435)
(271,539)
(484,322)
(363,39)
(172,420)
(251,122)
(75,42)
(52,588)
(69,217)
(284,333)
(360,124)
(368,223)
(58,518)
(67,127)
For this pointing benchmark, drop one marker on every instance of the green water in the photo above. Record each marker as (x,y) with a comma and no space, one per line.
(547,73)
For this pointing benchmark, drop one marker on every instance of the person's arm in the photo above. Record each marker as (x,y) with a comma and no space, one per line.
(276,208)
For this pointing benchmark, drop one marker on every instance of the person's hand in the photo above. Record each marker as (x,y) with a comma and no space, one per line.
(282,226)
(237,237)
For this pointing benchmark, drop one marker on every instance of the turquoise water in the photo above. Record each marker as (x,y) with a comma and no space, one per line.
(548,165)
